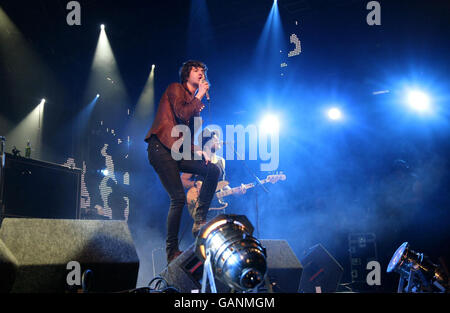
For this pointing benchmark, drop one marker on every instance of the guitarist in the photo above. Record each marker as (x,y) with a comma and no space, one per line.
(211,140)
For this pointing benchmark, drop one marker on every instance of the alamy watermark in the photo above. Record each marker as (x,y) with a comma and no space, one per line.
(74,16)
(374,16)
(373,278)
(73,278)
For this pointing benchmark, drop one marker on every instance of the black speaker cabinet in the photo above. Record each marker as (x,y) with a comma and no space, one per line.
(36,254)
(186,271)
(37,189)
(8,268)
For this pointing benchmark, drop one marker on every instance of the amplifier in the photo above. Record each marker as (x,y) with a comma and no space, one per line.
(38,189)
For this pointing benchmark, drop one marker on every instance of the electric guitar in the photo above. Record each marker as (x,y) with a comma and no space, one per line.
(221,192)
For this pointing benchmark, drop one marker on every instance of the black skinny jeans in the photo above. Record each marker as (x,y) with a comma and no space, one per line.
(168,171)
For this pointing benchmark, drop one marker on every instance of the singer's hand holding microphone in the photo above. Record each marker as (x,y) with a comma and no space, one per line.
(203,88)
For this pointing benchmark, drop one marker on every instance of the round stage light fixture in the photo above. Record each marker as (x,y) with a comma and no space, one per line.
(236,257)
(415,268)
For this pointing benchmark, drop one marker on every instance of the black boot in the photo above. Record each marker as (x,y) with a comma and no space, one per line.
(173,255)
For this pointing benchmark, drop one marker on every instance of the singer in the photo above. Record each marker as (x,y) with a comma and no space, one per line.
(179,104)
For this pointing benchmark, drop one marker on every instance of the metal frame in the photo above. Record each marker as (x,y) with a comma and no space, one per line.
(422,285)
(208,275)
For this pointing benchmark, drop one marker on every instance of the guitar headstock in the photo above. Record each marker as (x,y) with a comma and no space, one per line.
(276,177)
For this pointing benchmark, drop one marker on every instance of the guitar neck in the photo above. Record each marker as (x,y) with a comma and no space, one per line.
(228,192)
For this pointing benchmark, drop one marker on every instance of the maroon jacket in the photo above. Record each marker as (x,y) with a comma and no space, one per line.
(177,106)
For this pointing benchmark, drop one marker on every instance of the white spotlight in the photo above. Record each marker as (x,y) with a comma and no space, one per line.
(102,27)
(98,96)
(43,101)
(334,114)
(418,100)
(153,66)
(269,124)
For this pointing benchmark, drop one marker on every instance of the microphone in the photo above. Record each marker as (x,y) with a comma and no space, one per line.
(207,93)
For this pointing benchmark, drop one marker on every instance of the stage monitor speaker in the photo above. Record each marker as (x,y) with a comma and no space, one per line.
(320,269)
(33,188)
(186,271)
(284,270)
(43,249)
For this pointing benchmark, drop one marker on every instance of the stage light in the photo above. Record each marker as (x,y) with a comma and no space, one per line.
(199,18)
(97,96)
(105,78)
(102,27)
(231,253)
(104,172)
(334,114)
(30,128)
(146,102)
(269,124)
(417,269)
(418,100)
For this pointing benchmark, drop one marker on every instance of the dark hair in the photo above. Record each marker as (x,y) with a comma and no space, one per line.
(186,68)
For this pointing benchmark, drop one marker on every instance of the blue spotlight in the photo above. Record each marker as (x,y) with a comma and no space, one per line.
(334,114)
(271,41)
(104,172)
(90,106)
(269,124)
(418,100)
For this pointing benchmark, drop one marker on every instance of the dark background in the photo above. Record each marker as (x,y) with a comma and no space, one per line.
(342,177)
